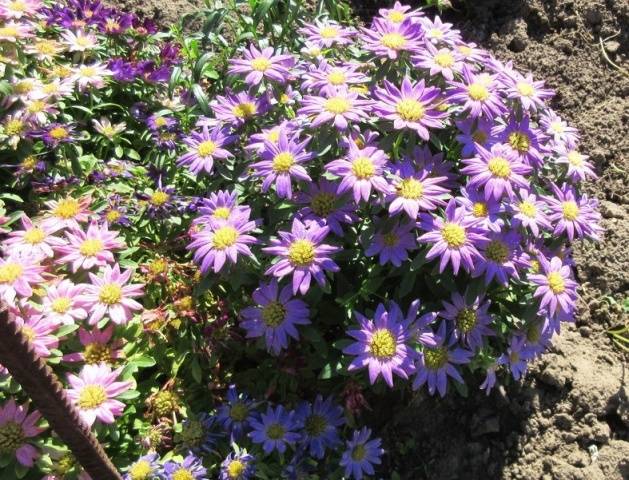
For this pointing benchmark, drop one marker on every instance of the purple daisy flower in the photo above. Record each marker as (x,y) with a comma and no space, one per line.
(539,334)
(442,61)
(415,189)
(435,362)
(531,94)
(338,106)
(275,429)
(470,319)
(522,139)
(555,285)
(275,317)
(326,76)
(281,161)
(235,415)
(579,169)
(502,258)
(361,454)
(487,211)
(474,131)
(413,105)
(325,206)
(557,128)
(222,240)
(204,147)
(398,13)
(529,213)
(320,422)
(326,34)
(477,93)
(263,63)
(161,122)
(57,133)
(517,356)
(221,205)
(496,170)
(238,466)
(455,240)
(360,170)
(190,469)
(303,255)
(435,165)
(145,467)
(387,39)
(576,216)
(382,344)
(237,108)
(435,31)
(289,127)
(393,243)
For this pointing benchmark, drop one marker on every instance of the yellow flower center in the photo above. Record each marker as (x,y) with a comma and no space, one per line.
(497,251)
(282,162)
(87,71)
(395,16)
(24,86)
(465,50)
(244,110)
(14,127)
(336,77)
(525,89)
(91,247)
(67,208)
(61,71)
(273,136)
(435,358)
(61,304)
(528,209)
(322,204)
(46,47)
(570,210)
(363,168)
(410,189)
(159,198)
(59,133)
(160,122)
(535,266)
(390,239)
(479,137)
(273,314)
(454,235)
(301,253)
(410,110)
(235,469)
(140,470)
(36,106)
(83,41)
(110,294)
(315,425)
(284,98)
(17,6)
(239,411)
(10,272)
(337,105)
(92,396)
(208,147)
(575,158)
(28,332)
(9,31)
(34,235)
(113,216)
(480,210)
(222,213)
(260,64)
(499,167)
(182,474)
(394,41)
(29,163)
(11,437)
(477,91)
(556,282)
(96,353)
(224,237)
(359,452)
(444,59)
(557,127)
(362,89)
(382,344)
(435,33)
(533,333)
(275,431)
(466,320)
(520,141)
(328,32)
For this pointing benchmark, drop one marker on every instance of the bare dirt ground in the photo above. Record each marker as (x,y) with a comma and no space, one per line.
(569,418)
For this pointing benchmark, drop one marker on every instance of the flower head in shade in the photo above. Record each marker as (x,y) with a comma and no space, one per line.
(282,161)
(337,106)
(17,275)
(487,211)
(443,61)
(360,170)
(238,466)
(529,212)
(324,205)
(522,139)
(477,93)
(399,12)
(222,240)
(436,362)
(94,391)
(17,428)
(557,128)
(38,329)
(361,454)
(470,319)
(497,171)
(203,148)
(62,302)
(320,421)
(197,434)
(326,34)
(275,317)
(579,169)
(235,414)
(415,189)
(474,131)
(67,212)
(303,254)
(237,108)
(502,257)
(517,356)
(275,429)
(109,294)
(455,239)
(56,133)
(531,94)
(326,76)
(555,286)
(191,468)
(393,243)
(98,347)
(263,63)
(144,468)
(90,248)
(381,344)
(412,105)
(35,239)
(576,216)
(387,39)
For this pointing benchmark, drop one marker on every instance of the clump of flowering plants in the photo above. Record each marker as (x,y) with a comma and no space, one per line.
(228,245)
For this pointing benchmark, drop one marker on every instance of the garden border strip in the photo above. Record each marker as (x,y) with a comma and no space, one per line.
(43,387)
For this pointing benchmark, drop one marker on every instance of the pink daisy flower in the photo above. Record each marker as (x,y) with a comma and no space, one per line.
(109,294)
(98,348)
(17,274)
(91,248)
(90,76)
(326,34)
(17,426)
(19,8)
(35,240)
(38,329)
(62,303)
(13,31)
(67,212)
(94,391)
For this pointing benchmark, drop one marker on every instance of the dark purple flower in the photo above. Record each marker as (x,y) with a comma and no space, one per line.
(470,319)
(325,206)
(275,429)
(361,454)
(393,243)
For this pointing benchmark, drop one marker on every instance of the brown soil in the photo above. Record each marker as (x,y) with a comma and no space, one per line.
(569,418)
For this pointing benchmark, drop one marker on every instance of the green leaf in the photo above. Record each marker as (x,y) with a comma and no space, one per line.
(11,196)
(143,361)
(202,101)
(128,395)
